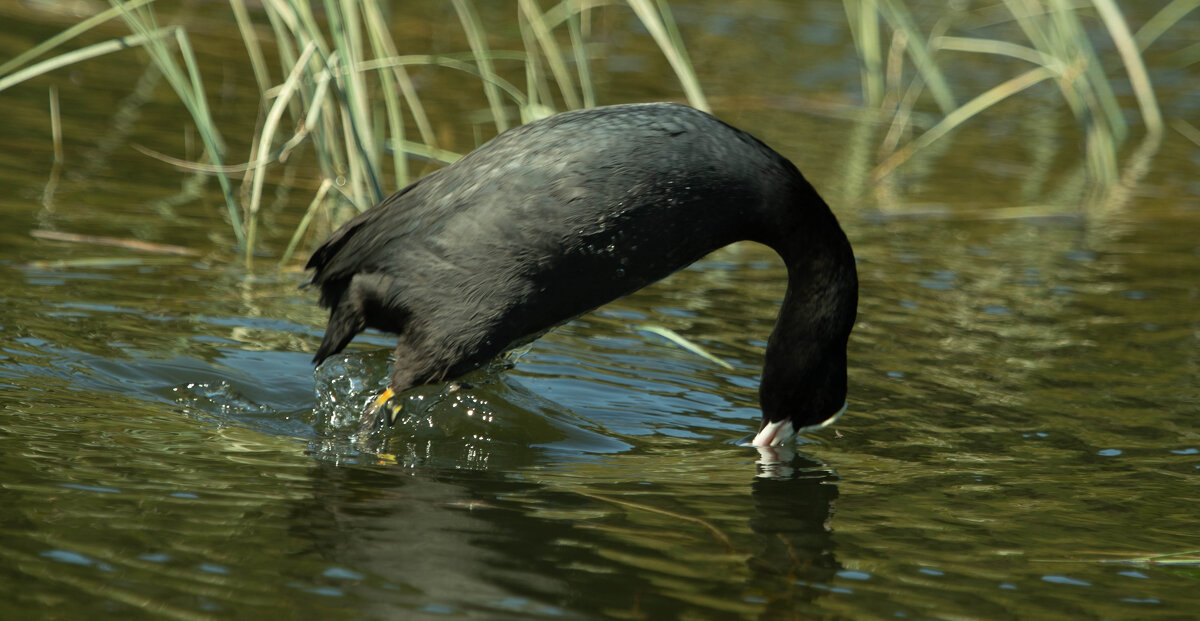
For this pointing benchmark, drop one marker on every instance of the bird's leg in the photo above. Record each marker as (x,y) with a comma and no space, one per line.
(384,403)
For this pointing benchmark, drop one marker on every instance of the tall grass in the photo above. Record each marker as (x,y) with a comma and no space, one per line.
(346,92)
(1054,44)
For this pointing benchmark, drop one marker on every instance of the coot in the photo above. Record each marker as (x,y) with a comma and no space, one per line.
(552,219)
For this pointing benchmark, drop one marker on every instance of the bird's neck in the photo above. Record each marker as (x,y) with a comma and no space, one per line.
(804,374)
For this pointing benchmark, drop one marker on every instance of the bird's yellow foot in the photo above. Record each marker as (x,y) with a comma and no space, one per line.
(384,402)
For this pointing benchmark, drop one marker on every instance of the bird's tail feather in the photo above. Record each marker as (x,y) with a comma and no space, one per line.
(345,321)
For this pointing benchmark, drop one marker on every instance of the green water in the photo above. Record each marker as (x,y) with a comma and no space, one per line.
(1022,422)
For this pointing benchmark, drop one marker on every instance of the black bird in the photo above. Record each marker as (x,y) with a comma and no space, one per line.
(552,219)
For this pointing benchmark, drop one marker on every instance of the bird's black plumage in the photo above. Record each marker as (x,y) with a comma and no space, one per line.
(554,218)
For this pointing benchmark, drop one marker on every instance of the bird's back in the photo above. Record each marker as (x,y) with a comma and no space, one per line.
(543,223)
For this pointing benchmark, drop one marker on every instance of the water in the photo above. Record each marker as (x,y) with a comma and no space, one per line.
(1021,423)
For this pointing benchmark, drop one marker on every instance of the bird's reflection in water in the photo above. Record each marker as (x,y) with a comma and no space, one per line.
(464,457)
(794,497)
(468,525)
